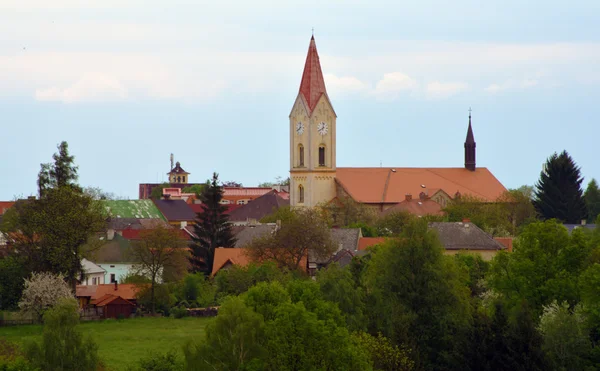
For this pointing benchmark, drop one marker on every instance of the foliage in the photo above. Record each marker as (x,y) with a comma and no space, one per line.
(417,297)
(237,280)
(566,337)
(197,290)
(179,312)
(384,355)
(392,224)
(558,192)
(264,298)
(233,339)
(338,286)
(283,214)
(61,173)
(496,218)
(162,299)
(212,229)
(366,230)
(17,364)
(63,347)
(278,181)
(344,211)
(157,192)
(159,362)
(544,266)
(41,292)
(157,250)
(96,193)
(136,279)
(592,200)
(305,231)
(476,268)
(196,189)
(12,275)
(231,183)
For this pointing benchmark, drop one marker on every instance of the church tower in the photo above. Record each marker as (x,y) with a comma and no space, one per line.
(312,138)
(470,147)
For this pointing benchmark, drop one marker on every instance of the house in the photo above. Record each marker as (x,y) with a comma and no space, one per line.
(177,212)
(315,178)
(5,205)
(466,237)
(258,209)
(114,256)
(92,274)
(226,257)
(90,294)
(345,239)
(245,234)
(365,242)
(113,306)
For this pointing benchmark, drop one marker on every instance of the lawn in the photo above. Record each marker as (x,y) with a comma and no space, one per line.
(123,343)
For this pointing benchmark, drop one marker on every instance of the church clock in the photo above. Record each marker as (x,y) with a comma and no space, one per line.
(322,128)
(300,128)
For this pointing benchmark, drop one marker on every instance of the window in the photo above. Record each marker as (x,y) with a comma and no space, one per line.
(322,155)
(178,179)
(301,154)
(183,178)
(301,194)
(112,278)
(94,281)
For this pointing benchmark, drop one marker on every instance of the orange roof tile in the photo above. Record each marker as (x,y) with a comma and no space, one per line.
(312,86)
(390,185)
(5,205)
(506,241)
(236,256)
(125,290)
(366,242)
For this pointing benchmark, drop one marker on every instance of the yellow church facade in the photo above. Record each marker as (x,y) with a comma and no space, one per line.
(315,178)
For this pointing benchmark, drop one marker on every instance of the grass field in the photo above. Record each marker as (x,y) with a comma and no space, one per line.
(123,343)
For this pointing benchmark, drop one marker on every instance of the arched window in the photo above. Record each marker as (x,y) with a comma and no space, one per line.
(178,179)
(300,194)
(322,155)
(301,155)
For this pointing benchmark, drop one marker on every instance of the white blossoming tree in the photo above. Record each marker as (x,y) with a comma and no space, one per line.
(43,291)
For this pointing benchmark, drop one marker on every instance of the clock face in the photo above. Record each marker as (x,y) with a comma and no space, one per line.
(299,128)
(322,128)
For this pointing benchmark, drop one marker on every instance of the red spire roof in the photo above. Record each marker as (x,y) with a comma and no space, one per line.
(312,85)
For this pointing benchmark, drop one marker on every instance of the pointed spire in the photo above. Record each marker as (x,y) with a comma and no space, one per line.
(470,147)
(312,85)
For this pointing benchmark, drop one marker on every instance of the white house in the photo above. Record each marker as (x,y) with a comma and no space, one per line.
(92,274)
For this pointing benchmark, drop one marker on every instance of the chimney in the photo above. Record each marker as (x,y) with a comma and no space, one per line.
(408,197)
(466,220)
(116,285)
(110,234)
(422,196)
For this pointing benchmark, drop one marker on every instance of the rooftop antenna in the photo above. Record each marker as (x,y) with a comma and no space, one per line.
(172,159)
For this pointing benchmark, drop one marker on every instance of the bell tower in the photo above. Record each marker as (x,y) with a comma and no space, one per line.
(312,138)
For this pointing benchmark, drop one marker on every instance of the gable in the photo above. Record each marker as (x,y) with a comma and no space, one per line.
(391,185)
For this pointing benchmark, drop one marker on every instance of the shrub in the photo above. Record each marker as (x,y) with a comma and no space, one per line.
(17,364)
(63,347)
(160,362)
(42,291)
(179,312)
(384,355)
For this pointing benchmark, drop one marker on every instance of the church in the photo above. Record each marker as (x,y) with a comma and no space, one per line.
(315,179)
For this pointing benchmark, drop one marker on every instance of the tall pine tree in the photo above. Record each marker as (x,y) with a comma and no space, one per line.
(61,173)
(592,200)
(212,228)
(558,193)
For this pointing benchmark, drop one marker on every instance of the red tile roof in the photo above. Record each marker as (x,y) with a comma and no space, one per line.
(5,205)
(125,290)
(245,191)
(390,185)
(506,241)
(198,208)
(109,298)
(312,86)
(417,207)
(366,242)
(235,256)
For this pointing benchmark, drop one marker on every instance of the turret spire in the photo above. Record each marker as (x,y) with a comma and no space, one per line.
(470,147)
(312,86)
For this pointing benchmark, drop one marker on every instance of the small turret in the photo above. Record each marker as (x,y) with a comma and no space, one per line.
(470,148)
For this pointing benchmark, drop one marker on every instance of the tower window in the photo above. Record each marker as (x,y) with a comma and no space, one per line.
(300,194)
(183,178)
(321,155)
(178,179)
(301,154)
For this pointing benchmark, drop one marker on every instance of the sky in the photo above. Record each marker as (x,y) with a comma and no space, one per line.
(128,82)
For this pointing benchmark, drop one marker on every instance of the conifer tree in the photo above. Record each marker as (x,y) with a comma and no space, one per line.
(212,228)
(62,173)
(558,193)
(592,200)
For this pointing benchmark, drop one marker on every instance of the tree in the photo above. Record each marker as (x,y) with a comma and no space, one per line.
(96,193)
(157,192)
(157,250)
(566,339)
(195,189)
(12,275)
(231,183)
(279,181)
(385,355)
(232,340)
(344,211)
(544,266)
(417,298)
(592,200)
(558,192)
(62,173)
(306,232)
(42,291)
(212,228)
(392,224)
(63,346)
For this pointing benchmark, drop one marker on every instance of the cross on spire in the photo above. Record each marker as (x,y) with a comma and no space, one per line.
(470,111)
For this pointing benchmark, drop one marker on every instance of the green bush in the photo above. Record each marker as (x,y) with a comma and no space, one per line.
(179,312)
(159,362)
(384,355)
(63,347)
(17,364)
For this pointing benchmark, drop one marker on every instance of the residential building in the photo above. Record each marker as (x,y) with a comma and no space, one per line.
(132,209)
(315,177)
(466,237)
(258,209)
(177,212)
(92,274)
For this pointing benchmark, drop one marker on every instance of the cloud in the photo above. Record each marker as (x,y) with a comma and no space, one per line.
(393,84)
(90,88)
(511,85)
(344,85)
(438,90)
